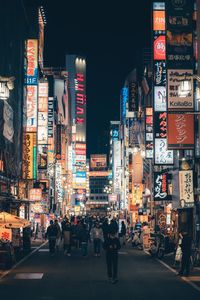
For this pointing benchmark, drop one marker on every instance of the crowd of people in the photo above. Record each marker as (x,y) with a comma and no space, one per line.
(78,232)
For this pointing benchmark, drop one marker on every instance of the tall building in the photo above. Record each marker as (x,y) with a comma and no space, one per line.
(76,77)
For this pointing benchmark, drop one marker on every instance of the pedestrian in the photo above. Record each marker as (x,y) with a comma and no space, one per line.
(83,238)
(105,228)
(58,238)
(97,238)
(123,233)
(111,246)
(186,247)
(67,237)
(114,225)
(51,234)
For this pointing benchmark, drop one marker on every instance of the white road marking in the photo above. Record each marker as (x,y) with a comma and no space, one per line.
(186,279)
(43,250)
(122,252)
(29,276)
(21,261)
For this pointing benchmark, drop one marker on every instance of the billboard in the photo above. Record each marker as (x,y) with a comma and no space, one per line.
(162,155)
(98,161)
(180,131)
(179,18)
(180,90)
(134,131)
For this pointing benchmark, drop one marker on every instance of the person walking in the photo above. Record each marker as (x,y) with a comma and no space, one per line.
(83,238)
(58,238)
(51,234)
(186,247)
(111,246)
(97,238)
(105,228)
(123,233)
(67,237)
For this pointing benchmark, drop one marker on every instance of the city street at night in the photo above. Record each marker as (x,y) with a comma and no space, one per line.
(100,150)
(75,277)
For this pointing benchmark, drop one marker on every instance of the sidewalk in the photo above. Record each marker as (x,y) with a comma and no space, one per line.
(20,254)
(194,274)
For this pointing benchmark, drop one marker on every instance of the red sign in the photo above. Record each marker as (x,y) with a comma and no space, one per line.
(180,131)
(160,48)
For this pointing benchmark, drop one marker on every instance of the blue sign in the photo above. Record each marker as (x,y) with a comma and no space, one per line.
(124,100)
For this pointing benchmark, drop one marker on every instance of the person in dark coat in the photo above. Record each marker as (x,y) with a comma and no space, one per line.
(186,247)
(67,238)
(111,246)
(123,232)
(105,228)
(51,234)
(83,238)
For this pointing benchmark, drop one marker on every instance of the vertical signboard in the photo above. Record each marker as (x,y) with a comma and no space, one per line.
(179,18)
(180,131)
(133,96)
(161,181)
(149,132)
(29,168)
(186,187)
(123,102)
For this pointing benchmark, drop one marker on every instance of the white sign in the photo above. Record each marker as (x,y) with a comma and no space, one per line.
(162,155)
(186,186)
(180,89)
(160,98)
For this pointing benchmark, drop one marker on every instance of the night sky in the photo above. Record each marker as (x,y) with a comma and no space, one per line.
(111,37)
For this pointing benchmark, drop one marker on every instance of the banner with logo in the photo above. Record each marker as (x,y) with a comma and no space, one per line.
(161,181)
(186,186)
(180,90)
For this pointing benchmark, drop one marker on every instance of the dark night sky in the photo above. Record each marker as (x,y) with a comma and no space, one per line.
(110,36)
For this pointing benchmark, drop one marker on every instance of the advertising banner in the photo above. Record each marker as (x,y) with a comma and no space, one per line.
(31,76)
(58,141)
(186,186)
(5,234)
(161,181)
(180,90)
(137,175)
(149,132)
(29,156)
(98,161)
(50,116)
(160,124)
(162,155)
(158,20)
(133,96)
(30,108)
(160,98)
(35,194)
(160,73)
(159,47)
(180,131)
(179,18)
(134,131)
(123,101)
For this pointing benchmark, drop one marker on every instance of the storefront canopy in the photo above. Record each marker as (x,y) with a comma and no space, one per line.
(11,221)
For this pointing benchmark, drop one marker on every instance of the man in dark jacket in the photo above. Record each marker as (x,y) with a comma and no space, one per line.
(51,234)
(112,245)
(186,246)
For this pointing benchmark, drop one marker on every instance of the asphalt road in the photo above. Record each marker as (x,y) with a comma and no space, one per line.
(78,278)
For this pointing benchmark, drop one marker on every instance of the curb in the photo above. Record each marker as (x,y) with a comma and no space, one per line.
(21,261)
